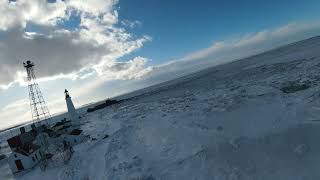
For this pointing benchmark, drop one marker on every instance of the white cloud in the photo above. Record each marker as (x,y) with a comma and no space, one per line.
(132,69)
(16,104)
(57,52)
(94,7)
(18,13)
(131,24)
(14,113)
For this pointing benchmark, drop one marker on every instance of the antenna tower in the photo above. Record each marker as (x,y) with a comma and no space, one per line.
(39,109)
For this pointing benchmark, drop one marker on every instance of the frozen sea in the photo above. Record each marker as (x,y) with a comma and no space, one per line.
(252,119)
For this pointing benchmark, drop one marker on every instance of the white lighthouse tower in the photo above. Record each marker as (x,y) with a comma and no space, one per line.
(73,115)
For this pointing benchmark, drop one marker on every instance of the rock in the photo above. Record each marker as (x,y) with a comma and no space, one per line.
(235,174)
(106,136)
(2,156)
(219,128)
(238,142)
(294,88)
(301,149)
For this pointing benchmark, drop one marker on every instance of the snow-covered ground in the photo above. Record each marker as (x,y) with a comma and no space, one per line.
(253,119)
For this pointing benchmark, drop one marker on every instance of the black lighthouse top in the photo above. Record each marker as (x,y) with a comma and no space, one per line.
(28,64)
(66,93)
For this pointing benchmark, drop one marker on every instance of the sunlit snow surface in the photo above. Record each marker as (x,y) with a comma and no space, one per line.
(231,122)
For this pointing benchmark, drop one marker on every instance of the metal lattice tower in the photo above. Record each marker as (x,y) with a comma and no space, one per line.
(39,109)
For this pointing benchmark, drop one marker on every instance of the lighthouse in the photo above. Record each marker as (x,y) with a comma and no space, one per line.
(73,115)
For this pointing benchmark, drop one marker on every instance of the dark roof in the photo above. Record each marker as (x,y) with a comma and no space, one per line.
(28,149)
(14,141)
(75,132)
(50,132)
(61,123)
(64,127)
(21,139)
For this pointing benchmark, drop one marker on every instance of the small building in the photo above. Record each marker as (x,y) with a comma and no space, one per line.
(22,160)
(74,137)
(62,127)
(25,155)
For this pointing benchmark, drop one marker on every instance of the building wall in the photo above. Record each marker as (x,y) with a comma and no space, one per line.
(72,113)
(27,161)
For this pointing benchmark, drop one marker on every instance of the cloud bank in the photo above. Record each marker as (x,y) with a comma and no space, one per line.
(234,49)
(41,31)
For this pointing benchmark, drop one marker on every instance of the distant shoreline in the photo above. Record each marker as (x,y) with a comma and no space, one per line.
(27,123)
(13,127)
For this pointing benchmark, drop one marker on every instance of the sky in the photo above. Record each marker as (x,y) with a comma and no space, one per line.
(102,48)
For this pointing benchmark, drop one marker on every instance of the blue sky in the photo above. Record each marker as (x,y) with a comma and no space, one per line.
(180,27)
(102,48)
